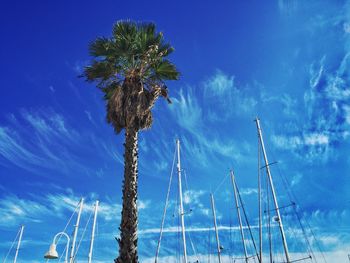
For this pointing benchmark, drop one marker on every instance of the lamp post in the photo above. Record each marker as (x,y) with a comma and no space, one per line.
(52,253)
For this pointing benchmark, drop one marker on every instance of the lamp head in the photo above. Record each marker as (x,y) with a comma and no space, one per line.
(52,253)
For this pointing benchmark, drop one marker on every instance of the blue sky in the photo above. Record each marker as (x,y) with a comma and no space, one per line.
(285,61)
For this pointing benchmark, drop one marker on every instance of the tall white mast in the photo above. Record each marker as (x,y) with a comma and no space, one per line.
(279,219)
(71,258)
(239,214)
(93,232)
(260,210)
(216,228)
(19,243)
(182,214)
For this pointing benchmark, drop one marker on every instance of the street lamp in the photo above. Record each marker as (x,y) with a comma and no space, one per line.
(52,253)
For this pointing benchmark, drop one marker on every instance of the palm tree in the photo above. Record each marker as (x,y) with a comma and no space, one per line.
(130,68)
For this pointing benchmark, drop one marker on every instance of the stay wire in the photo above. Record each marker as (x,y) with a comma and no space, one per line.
(189,219)
(13,243)
(247,221)
(165,206)
(70,219)
(221,183)
(292,196)
(82,235)
(269,218)
(305,236)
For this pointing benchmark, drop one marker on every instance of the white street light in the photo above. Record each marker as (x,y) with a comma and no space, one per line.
(52,253)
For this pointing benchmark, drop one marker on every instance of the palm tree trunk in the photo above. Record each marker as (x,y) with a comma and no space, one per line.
(128,226)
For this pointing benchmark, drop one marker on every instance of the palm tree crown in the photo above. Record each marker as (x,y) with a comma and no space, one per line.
(130,68)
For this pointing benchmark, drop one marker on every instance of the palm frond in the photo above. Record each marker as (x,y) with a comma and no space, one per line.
(101,47)
(100,71)
(165,70)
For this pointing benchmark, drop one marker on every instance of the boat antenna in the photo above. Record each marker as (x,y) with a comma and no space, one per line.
(279,219)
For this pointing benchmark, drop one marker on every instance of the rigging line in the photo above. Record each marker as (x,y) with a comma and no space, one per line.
(82,235)
(285,181)
(193,247)
(165,206)
(308,225)
(269,218)
(304,233)
(209,246)
(13,243)
(59,260)
(178,227)
(292,194)
(189,218)
(219,185)
(316,240)
(230,238)
(247,221)
(70,219)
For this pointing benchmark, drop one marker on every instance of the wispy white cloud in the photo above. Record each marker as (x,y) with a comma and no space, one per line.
(310,145)
(187,111)
(175,229)
(15,210)
(248,191)
(15,151)
(346,109)
(45,139)
(289,103)
(324,121)
(218,84)
(192,196)
(228,98)
(316,139)
(316,71)
(200,143)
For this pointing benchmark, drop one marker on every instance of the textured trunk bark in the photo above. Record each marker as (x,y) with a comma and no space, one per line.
(128,225)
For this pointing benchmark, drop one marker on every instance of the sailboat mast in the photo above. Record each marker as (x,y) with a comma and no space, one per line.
(182,214)
(93,232)
(216,228)
(239,215)
(76,226)
(19,243)
(260,210)
(279,219)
